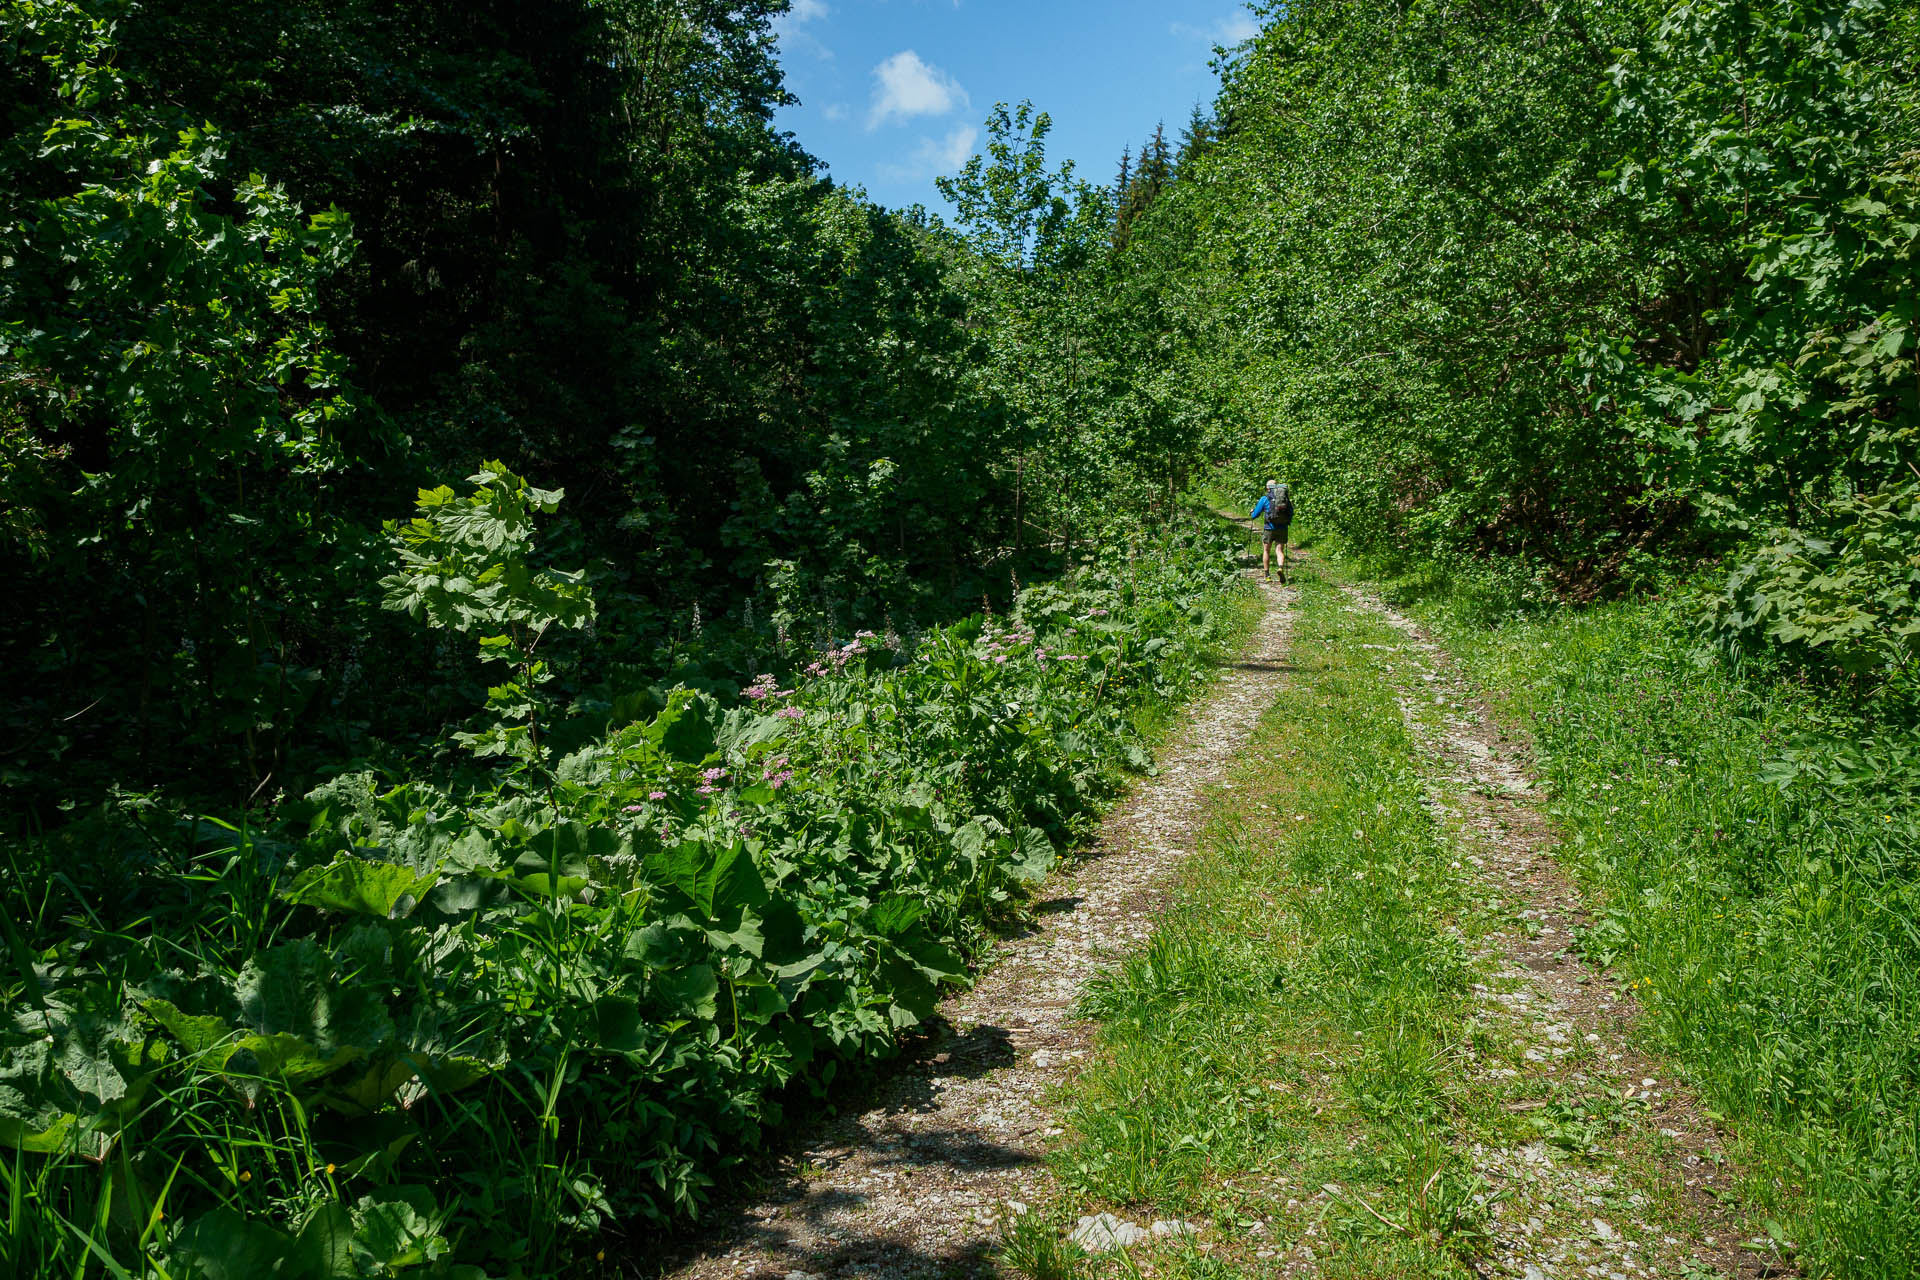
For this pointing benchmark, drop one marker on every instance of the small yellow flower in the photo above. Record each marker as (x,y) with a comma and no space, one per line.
(600,1256)
(246,1175)
(329,1170)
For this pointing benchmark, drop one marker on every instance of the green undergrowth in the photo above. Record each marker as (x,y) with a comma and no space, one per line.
(1756,847)
(510,1026)
(1301,1012)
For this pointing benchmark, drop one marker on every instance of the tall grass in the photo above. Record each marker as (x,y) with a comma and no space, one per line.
(1756,844)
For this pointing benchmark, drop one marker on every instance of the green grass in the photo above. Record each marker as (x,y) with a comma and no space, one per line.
(1308,1058)
(1300,1016)
(1758,850)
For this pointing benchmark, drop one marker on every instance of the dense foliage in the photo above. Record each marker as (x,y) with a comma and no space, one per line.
(262,275)
(465,1026)
(1597,289)
(423,894)
(372,881)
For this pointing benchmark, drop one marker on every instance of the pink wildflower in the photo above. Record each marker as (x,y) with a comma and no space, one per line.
(656,795)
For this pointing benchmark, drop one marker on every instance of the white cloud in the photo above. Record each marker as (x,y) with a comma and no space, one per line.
(803,12)
(904,87)
(787,28)
(835,111)
(1230,30)
(934,156)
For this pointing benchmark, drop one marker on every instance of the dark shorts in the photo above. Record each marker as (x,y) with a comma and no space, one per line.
(1277,535)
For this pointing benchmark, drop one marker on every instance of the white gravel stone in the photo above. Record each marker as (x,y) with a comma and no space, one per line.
(1103,1233)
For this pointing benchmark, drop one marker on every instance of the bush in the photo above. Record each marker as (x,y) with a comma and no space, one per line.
(440,1025)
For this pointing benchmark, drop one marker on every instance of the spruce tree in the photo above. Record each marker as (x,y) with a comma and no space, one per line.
(1194,141)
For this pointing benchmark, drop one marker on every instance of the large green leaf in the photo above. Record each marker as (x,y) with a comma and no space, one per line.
(378,889)
(692,992)
(223,1245)
(396,1228)
(687,729)
(39,1130)
(712,880)
(294,988)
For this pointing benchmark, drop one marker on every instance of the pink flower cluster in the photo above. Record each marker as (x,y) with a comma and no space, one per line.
(790,713)
(765,686)
(776,774)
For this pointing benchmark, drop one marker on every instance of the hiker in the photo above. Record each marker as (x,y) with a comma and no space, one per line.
(1276,504)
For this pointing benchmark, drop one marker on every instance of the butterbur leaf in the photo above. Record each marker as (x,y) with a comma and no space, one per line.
(326,1244)
(294,988)
(712,880)
(395,1228)
(24,1127)
(896,914)
(1035,857)
(281,1056)
(745,936)
(378,889)
(933,960)
(970,842)
(619,1024)
(85,1058)
(686,730)
(222,1245)
(197,1033)
(692,992)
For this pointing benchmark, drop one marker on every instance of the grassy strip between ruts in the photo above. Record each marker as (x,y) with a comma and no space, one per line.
(1296,1065)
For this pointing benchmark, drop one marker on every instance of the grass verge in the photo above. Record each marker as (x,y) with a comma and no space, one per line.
(1756,850)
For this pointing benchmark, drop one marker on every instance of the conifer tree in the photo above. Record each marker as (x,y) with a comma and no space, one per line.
(1194,140)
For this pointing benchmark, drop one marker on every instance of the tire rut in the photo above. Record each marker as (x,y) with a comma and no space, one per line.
(1577,1021)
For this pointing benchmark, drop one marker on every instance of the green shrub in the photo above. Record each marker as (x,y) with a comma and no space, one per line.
(431,1025)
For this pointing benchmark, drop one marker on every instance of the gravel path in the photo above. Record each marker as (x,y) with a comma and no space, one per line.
(917,1184)
(1563,1216)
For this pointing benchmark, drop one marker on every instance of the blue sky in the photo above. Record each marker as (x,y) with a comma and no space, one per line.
(893,92)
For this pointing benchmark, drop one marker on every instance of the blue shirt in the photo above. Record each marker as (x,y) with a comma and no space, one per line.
(1265,505)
